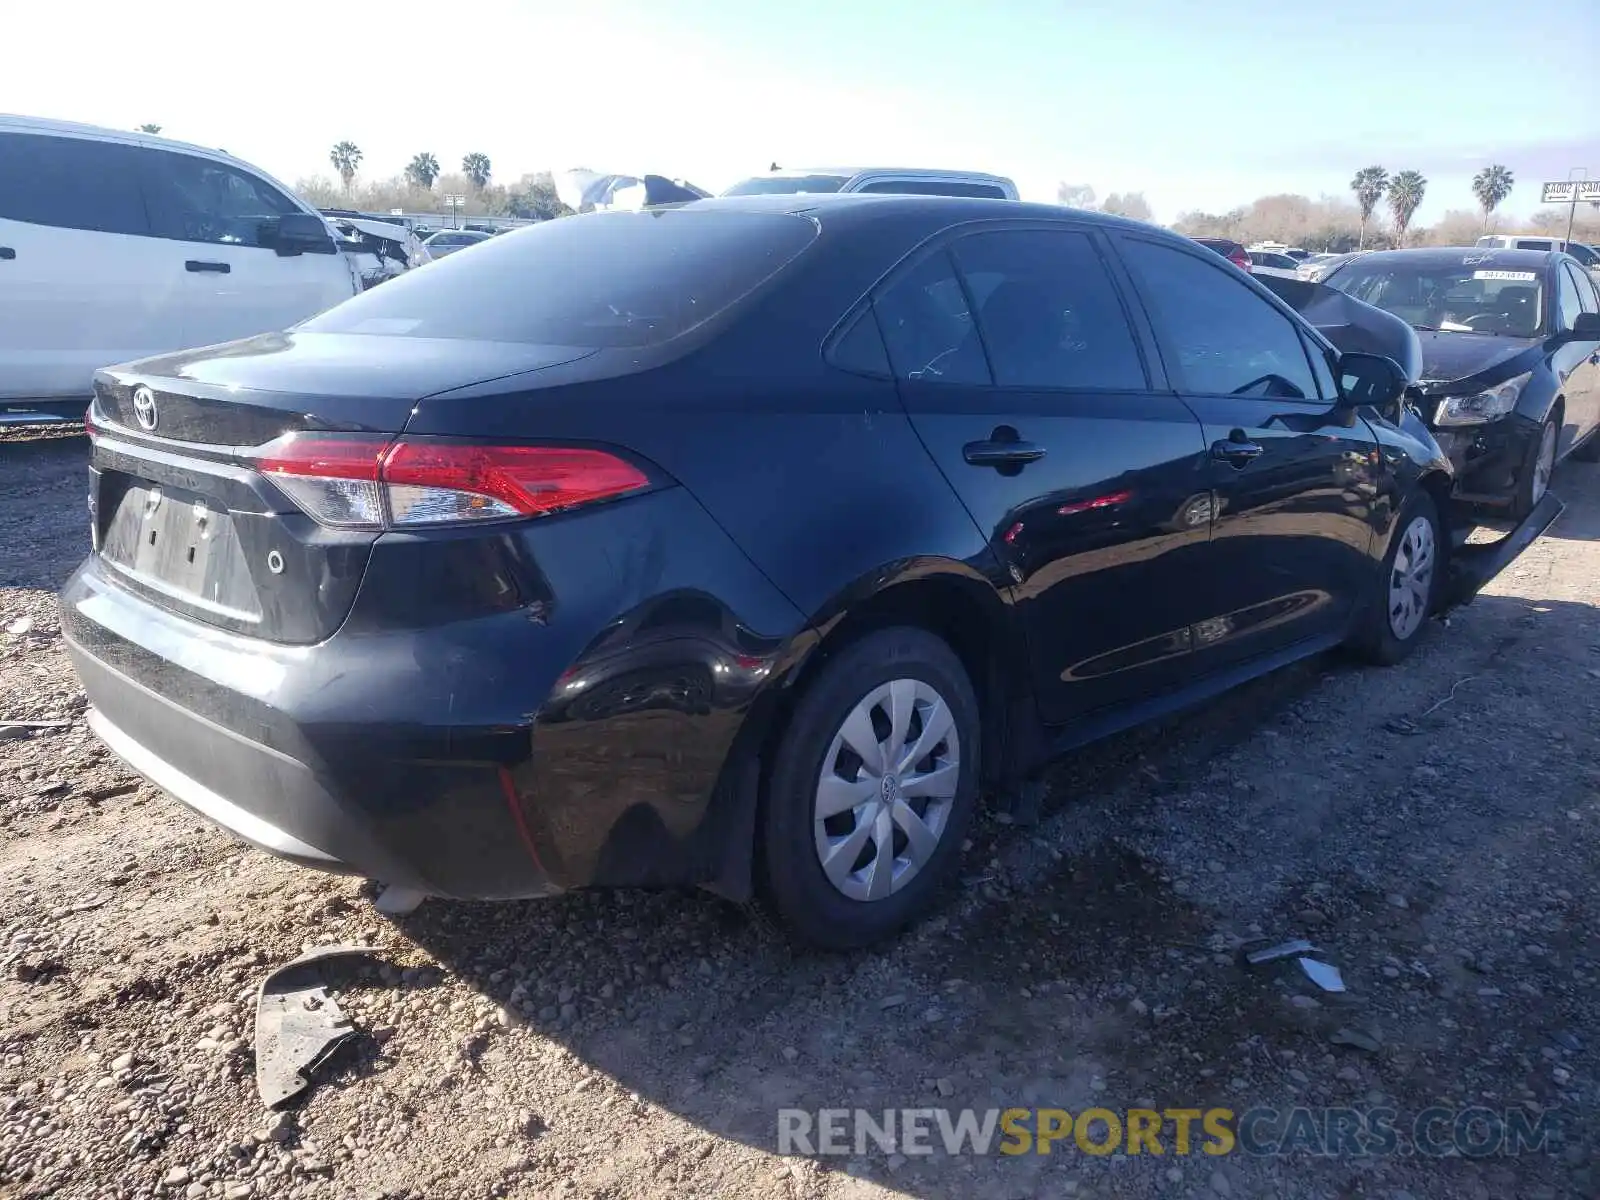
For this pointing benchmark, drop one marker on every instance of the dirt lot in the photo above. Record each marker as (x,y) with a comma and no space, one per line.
(1434,828)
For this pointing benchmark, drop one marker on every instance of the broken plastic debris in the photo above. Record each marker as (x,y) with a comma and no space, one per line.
(1356,1039)
(298,1026)
(1324,975)
(1283,950)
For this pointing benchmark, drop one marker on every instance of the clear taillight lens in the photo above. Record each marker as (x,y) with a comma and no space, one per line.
(361,481)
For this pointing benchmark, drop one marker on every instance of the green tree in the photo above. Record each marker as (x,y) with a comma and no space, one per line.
(1406,190)
(149,129)
(1491,186)
(1369,185)
(534,198)
(346,157)
(476,168)
(422,170)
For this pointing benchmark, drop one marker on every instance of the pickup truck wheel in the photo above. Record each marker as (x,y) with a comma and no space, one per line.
(1408,586)
(871,790)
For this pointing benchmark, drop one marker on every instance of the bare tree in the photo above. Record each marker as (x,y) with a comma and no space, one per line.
(1406,190)
(346,157)
(149,129)
(1491,186)
(1075,195)
(1127,204)
(1369,185)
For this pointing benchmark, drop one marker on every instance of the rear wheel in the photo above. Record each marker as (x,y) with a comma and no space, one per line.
(1408,586)
(872,789)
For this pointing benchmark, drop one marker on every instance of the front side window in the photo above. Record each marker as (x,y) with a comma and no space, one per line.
(1227,340)
(1568,303)
(71,183)
(601,280)
(1048,312)
(1467,296)
(1588,298)
(195,199)
(927,326)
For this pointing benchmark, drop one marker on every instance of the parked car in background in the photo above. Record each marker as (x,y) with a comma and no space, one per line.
(1231,250)
(448,241)
(1270,262)
(1316,268)
(1511,359)
(897,181)
(379,249)
(117,245)
(518,574)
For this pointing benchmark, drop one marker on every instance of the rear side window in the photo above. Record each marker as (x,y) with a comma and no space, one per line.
(1535,244)
(934,187)
(1048,312)
(71,183)
(786,185)
(1588,299)
(928,328)
(1227,340)
(608,279)
(195,199)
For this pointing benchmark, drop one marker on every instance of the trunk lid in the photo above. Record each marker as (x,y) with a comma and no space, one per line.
(180,514)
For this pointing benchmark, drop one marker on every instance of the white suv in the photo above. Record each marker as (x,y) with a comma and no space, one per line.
(114,246)
(893,180)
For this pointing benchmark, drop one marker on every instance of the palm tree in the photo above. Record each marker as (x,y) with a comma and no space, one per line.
(423,170)
(1369,185)
(149,129)
(1491,185)
(1405,195)
(476,167)
(346,157)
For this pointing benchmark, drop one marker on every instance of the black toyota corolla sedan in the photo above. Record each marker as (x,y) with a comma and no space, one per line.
(740,544)
(1511,359)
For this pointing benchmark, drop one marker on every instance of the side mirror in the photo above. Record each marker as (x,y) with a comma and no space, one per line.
(1585,329)
(1370,379)
(298,233)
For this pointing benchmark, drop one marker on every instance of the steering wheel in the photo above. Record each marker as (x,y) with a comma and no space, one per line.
(1482,316)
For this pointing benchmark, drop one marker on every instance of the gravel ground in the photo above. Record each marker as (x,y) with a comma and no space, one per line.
(1434,828)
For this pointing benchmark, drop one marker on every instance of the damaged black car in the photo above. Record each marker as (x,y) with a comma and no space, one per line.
(1511,360)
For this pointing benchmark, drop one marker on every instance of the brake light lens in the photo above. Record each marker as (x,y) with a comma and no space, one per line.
(1240,260)
(367,482)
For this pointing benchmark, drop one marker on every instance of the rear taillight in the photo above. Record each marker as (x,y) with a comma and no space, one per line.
(367,482)
(1240,260)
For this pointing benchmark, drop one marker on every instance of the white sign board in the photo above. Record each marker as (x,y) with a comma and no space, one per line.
(1566,191)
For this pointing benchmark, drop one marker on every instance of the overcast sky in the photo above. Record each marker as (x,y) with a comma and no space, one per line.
(1198,103)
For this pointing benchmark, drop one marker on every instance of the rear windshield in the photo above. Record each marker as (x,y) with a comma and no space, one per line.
(787,185)
(600,280)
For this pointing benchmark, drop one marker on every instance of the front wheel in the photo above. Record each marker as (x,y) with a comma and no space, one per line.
(1533,480)
(872,789)
(1408,587)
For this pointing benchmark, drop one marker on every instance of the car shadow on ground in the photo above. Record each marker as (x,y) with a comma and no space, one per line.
(1074,966)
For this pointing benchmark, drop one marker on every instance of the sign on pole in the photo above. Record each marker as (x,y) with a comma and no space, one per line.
(1569,191)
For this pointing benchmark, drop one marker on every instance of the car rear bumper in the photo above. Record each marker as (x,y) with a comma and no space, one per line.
(571,738)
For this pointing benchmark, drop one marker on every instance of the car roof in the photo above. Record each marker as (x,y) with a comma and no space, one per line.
(908,172)
(1483,257)
(45,125)
(841,207)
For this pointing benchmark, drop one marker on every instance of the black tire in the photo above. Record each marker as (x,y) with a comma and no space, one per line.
(1377,640)
(805,900)
(1524,499)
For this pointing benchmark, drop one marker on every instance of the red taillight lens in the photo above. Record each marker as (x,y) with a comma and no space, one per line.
(431,483)
(372,482)
(1242,261)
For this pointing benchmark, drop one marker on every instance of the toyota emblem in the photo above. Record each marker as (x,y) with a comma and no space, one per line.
(144,407)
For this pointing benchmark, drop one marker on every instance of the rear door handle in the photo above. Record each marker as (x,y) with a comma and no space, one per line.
(1001,453)
(195,265)
(7,253)
(1237,453)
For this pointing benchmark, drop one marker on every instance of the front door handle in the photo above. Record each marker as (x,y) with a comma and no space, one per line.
(7,253)
(1237,452)
(1002,449)
(219,268)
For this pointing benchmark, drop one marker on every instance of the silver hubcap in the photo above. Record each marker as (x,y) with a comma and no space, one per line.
(1546,462)
(886,789)
(1411,581)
